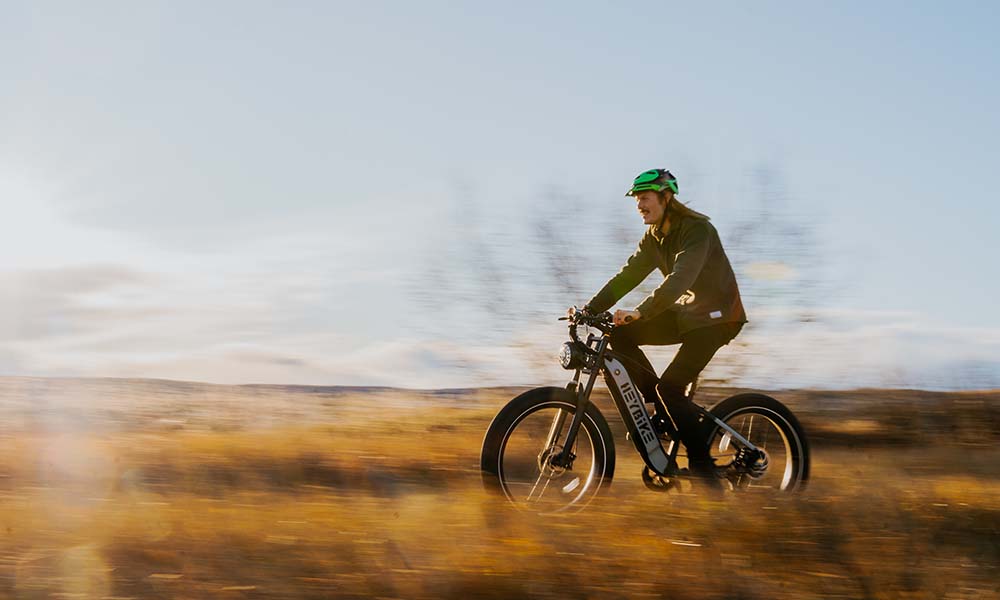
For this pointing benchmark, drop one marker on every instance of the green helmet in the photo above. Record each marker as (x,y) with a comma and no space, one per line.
(656,180)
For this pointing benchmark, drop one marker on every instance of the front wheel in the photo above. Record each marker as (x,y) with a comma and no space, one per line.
(527,433)
(782,463)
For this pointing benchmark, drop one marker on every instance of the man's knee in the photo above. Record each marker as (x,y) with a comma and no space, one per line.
(621,337)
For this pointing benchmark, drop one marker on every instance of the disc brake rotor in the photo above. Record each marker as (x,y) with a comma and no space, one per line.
(545,466)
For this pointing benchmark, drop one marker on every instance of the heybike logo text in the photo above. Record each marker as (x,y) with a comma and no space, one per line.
(638,412)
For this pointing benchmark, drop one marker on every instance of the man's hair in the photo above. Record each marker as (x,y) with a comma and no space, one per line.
(678,208)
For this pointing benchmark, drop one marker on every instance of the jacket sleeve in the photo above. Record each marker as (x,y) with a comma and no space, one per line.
(638,266)
(687,265)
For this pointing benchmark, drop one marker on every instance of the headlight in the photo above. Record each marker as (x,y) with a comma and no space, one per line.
(571,356)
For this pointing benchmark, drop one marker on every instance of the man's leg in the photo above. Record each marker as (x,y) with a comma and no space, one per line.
(661,330)
(697,349)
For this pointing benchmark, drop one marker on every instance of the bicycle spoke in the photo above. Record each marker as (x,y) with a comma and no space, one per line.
(544,487)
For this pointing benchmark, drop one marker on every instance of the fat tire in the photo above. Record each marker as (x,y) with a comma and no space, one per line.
(510,415)
(754,403)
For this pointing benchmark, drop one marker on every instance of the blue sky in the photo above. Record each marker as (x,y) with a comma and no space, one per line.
(333,193)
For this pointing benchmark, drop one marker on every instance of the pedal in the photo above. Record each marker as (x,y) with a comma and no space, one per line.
(658,483)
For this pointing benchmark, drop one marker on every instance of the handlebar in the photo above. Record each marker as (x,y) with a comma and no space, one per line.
(602,321)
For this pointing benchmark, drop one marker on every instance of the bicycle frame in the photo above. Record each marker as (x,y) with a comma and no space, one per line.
(631,408)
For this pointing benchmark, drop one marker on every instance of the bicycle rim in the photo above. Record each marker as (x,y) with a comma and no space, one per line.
(526,478)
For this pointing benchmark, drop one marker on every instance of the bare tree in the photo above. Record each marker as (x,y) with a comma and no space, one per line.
(778,259)
(776,255)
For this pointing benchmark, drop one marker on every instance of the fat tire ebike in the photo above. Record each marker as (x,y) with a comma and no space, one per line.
(551,450)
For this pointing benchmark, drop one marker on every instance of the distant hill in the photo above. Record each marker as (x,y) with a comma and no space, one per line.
(110,404)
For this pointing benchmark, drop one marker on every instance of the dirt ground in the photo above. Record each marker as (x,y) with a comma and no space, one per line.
(158,489)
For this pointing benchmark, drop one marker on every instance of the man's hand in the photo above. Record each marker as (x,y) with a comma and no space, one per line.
(626,316)
(574,310)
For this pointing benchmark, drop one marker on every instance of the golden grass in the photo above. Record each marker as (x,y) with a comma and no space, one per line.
(387,503)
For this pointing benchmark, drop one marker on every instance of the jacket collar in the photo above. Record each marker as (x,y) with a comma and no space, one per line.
(658,235)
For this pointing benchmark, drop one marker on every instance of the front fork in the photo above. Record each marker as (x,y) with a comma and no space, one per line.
(565,457)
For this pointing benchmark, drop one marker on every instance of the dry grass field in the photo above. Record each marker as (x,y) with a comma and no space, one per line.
(158,489)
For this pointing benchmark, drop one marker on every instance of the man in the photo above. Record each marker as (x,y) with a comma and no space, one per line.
(697,306)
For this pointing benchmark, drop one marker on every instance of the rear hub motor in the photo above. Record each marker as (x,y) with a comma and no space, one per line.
(751,462)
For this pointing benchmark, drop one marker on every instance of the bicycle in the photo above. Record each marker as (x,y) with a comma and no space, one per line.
(529,446)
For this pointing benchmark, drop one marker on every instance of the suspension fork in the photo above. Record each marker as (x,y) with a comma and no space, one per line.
(556,429)
(565,457)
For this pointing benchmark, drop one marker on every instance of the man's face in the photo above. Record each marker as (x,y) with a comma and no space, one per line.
(650,206)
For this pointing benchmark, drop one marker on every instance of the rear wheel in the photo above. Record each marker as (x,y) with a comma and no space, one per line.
(782,463)
(527,433)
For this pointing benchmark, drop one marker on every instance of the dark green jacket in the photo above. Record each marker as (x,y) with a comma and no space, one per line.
(699,282)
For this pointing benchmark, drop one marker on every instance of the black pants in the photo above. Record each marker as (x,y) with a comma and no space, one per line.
(698,346)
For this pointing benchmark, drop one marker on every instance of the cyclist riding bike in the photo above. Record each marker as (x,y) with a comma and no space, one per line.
(697,306)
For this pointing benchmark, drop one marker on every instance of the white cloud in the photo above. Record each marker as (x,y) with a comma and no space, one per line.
(273,324)
(227,345)
(770,271)
(870,349)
